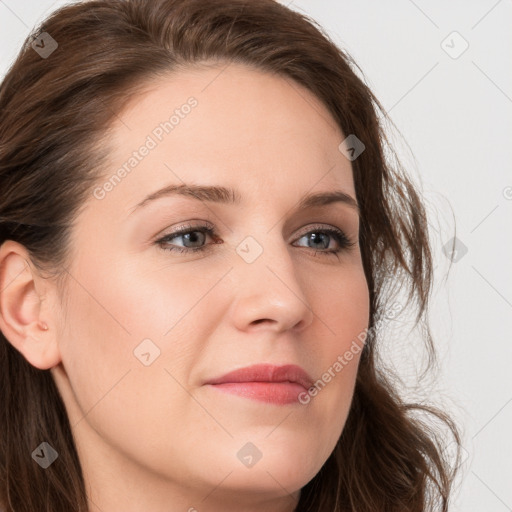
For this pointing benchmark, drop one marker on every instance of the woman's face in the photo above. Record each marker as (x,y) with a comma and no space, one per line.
(145,326)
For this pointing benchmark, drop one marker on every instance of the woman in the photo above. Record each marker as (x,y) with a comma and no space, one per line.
(199,235)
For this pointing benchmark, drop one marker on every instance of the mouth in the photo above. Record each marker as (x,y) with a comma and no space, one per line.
(265,383)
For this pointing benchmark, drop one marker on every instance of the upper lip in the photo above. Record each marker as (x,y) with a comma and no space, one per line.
(267,373)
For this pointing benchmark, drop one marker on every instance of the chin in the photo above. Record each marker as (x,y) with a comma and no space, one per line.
(275,471)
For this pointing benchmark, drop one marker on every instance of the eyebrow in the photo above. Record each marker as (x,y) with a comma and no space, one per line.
(225,195)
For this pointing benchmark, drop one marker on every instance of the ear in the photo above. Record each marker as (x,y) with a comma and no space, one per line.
(24,319)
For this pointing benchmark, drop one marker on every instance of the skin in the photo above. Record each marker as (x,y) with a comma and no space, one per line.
(154,437)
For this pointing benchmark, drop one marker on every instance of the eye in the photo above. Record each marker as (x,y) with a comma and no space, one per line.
(194,238)
(321,237)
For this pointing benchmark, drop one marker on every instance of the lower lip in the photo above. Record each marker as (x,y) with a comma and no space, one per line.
(270,392)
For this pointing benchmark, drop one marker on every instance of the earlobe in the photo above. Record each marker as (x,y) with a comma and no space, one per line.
(21,308)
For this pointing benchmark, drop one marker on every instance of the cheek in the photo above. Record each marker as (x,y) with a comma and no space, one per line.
(110,382)
(150,300)
(343,312)
(95,344)
(344,309)
(125,316)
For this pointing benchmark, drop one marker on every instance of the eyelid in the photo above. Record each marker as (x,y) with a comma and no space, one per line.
(344,241)
(204,224)
(326,227)
(187,226)
(318,225)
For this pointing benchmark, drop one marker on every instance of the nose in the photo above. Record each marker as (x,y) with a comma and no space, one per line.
(270,293)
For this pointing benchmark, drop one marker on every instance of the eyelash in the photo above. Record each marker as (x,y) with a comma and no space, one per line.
(342,239)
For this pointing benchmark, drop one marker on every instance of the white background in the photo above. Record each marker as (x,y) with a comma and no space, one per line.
(455,114)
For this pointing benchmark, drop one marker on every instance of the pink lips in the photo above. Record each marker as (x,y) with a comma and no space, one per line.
(266,383)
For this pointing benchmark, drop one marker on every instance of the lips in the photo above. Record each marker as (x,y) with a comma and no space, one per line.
(265,382)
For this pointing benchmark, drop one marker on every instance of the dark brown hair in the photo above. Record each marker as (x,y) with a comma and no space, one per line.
(54,112)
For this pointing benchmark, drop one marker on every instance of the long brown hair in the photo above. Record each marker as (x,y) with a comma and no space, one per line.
(55,110)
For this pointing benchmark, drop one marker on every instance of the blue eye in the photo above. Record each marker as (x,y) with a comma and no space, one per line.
(189,235)
(193,238)
(325,235)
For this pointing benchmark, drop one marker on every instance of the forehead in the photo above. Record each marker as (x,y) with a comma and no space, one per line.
(226,124)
